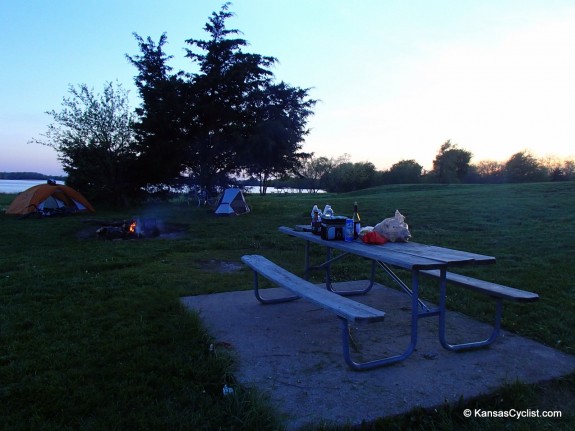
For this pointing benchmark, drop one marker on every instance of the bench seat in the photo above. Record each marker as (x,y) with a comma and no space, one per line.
(492,289)
(344,308)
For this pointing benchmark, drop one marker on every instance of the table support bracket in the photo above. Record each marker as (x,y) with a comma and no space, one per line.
(403,286)
(326,266)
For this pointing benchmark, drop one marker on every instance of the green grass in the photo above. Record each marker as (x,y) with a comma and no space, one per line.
(93,337)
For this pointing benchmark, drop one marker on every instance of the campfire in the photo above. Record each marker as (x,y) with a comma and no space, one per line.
(130,229)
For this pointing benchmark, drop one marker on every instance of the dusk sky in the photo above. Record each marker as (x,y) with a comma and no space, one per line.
(395,79)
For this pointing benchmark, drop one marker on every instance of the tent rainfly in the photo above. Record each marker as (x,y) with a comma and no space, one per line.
(49,199)
(232,202)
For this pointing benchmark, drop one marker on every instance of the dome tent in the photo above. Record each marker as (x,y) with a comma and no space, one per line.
(49,199)
(232,202)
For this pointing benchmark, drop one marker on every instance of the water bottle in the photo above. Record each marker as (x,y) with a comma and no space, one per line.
(314,210)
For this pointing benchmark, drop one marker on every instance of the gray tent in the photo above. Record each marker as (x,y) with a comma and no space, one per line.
(232,202)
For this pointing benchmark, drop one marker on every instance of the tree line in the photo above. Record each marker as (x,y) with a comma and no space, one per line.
(452,165)
(28,176)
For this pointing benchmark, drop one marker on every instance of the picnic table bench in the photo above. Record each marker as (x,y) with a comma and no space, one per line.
(347,310)
(496,291)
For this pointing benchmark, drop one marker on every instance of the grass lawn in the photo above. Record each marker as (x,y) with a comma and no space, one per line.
(93,336)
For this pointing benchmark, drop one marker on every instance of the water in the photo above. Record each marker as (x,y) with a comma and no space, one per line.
(17,186)
(256,190)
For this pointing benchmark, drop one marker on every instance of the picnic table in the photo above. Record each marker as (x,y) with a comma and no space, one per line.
(418,259)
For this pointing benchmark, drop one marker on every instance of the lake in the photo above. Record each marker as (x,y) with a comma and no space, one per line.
(17,186)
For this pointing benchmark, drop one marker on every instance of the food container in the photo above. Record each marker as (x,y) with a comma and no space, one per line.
(333,228)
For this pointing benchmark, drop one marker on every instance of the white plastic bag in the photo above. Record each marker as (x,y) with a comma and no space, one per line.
(394,228)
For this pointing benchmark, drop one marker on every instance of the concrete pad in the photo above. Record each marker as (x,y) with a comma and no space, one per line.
(292,352)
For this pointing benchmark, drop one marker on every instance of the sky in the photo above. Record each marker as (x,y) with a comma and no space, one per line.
(394,79)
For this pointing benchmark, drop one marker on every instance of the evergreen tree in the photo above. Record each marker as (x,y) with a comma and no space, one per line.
(161,149)
(228,117)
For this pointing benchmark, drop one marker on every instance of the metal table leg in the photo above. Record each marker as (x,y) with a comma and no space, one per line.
(269,301)
(362,366)
(442,321)
(326,266)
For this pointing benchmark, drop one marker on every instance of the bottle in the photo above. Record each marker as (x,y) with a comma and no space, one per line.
(316,221)
(327,211)
(314,210)
(356,221)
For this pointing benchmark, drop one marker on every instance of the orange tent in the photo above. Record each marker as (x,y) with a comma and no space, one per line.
(49,199)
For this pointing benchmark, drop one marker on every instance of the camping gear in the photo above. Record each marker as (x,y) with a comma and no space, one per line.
(333,229)
(394,228)
(49,199)
(232,202)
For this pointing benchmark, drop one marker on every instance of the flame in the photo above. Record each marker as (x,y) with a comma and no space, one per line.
(132,227)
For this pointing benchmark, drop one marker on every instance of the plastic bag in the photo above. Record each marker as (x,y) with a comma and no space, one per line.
(394,228)
(369,236)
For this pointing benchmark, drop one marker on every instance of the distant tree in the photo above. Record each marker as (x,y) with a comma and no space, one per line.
(490,171)
(94,139)
(522,167)
(557,174)
(273,146)
(569,169)
(28,176)
(557,169)
(312,170)
(348,177)
(405,172)
(451,164)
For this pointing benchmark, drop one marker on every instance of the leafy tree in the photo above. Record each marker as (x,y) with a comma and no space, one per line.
(405,172)
(94,139)
(311,172)
(557,174)
(522,167)
(348,177)
(569,169)
(557,169)
(490,171)
(273,148)
(451,164)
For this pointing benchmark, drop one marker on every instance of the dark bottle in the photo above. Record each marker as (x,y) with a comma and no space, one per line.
(316,221)
(356,221)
